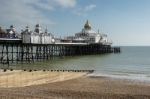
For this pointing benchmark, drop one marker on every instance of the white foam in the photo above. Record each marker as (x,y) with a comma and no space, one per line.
(135,77)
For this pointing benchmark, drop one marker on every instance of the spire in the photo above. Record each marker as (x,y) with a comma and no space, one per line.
(98,31)
(87,25)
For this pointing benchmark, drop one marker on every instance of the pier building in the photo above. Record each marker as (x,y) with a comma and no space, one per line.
(37,36)
(8,33)
(88,35)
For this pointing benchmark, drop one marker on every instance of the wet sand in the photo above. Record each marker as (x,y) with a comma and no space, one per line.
(20,78)
(81,87)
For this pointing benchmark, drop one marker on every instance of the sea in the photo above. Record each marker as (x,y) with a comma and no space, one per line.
(132,63)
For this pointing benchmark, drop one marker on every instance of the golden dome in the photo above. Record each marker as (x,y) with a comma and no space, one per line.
(87,25)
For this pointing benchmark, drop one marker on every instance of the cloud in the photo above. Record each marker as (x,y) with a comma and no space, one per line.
(45,6)
(23,12)
(66,3)
(90,7)
(29,12)
(82,11)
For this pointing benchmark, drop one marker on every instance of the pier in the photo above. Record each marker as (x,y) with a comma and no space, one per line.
(32,46)
(14,51)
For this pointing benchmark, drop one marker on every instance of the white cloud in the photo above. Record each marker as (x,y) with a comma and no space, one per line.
(82,11)
(23,12)
(45,6)
(29,12)
(90,7)
(66,3)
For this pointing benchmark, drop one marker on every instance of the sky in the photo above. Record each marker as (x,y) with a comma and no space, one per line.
(126,22)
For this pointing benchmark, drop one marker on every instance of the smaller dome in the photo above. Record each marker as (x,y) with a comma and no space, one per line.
(87,25)
(38,28)
(37,25)
(27,27)
(11,27)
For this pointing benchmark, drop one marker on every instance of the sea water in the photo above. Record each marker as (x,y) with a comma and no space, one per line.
(132,63)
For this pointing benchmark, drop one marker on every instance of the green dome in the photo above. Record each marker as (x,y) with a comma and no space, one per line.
(87,25)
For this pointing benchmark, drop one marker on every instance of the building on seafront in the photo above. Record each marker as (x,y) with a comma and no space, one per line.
(88,35)
(37,36)
(8,33)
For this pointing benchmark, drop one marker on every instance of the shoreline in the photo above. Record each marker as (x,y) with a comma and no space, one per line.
(76,85)
(19,78)
(143,78)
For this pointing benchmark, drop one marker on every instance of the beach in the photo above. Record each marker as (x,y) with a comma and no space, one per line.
(73,85)
(21,78)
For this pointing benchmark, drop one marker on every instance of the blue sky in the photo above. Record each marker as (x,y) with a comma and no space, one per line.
(127,22)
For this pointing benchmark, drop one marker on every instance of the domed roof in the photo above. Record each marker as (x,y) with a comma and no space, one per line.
(87,25)
(37,25)
(27,27)
(11,26)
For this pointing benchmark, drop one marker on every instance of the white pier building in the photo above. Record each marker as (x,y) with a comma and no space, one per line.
(37,36)
(87,35)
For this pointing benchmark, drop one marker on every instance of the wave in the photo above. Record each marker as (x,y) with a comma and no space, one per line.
(134,77)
